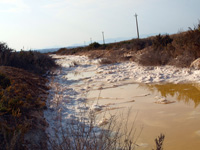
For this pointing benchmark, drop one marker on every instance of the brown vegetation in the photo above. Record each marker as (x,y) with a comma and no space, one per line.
(178,50)
(31,61)
(22,99)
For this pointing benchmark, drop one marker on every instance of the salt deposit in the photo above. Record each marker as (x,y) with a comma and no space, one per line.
(67,96)
(129,70)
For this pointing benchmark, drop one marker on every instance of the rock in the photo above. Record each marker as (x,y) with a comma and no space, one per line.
(195,64)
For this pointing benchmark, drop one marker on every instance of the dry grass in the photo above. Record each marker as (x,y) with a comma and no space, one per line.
(159,142)
(84,134)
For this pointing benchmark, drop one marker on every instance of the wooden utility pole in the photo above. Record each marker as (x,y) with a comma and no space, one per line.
(91,40)
(103,38)
(137,26)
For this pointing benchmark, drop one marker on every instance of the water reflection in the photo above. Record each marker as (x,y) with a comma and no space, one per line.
(182,92)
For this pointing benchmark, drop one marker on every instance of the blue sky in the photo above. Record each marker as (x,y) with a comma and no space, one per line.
(35,24)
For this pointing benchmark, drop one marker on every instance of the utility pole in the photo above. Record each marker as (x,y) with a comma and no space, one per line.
(91,40)
(103,38)
(137,26)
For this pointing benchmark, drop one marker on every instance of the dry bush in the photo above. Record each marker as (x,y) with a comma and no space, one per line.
(114,57)
(97,54)
(151,57)
(139,44)
(188,41)
(134,44)
(106,61)
(178,50)
(183,60)
(21,105)
(161,42)
(31,61)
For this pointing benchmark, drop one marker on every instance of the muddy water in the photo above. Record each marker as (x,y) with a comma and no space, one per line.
(179,121)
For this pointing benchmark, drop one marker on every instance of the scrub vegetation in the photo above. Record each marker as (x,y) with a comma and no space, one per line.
(31,61)
(178,49)
(22,98)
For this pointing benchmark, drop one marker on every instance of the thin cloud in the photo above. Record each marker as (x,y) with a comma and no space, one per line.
(59,5)
(70,3)
(14,6)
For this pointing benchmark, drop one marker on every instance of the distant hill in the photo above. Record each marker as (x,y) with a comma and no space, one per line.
(49,50)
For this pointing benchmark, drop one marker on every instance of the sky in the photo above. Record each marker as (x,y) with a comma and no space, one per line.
(38,24)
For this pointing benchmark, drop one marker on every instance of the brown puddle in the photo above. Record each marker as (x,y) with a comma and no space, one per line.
(179,121)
